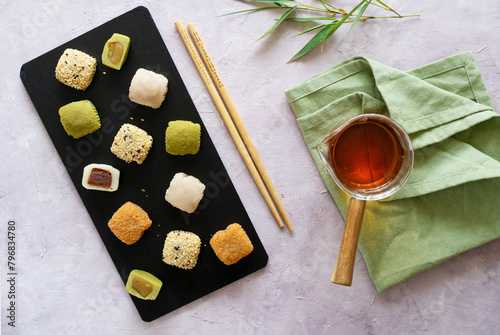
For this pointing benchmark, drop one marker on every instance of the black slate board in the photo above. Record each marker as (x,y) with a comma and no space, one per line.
(144,184)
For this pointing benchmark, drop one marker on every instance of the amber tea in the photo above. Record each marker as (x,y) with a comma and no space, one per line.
(366,154)
(370,156)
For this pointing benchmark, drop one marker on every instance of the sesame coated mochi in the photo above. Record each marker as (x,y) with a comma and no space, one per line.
(76,69)
(181,249)
(131,144)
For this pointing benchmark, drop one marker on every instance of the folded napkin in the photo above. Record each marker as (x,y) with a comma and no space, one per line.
(449,203)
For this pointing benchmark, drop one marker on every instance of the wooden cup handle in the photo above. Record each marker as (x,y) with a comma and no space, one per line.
(344,267)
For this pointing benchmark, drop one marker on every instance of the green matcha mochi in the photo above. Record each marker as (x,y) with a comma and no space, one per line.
(182,138)
(143,285)
(79,118)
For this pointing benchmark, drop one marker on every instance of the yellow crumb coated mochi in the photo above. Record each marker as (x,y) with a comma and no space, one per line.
(79,118)
(143,285)
(129,223)
(115,51)
(231,244)
(182,138)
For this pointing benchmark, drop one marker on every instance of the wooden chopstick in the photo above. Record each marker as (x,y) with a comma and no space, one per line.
(227,119)
(238,122)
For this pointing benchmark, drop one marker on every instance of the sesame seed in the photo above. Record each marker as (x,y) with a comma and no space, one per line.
(181,249)
(128,143)
(76,78)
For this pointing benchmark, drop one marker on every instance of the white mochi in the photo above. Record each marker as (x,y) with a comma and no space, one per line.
(148,88)
(185,192)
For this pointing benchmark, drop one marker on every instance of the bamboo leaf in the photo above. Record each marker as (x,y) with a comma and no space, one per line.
(318,38)
(323,34)
(331,14)
(388,8)
(249,10)
(308,19)
(329,7)
(310,29)
(341,21)
(277,4)
(281,19)
(325,4)
(360,14)
(274,1)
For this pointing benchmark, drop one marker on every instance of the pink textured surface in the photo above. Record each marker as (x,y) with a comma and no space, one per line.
(66,281)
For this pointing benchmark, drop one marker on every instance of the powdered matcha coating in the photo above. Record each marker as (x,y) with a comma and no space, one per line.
(79,118)
(182,138)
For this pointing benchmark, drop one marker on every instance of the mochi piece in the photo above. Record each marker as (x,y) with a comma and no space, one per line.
(131,143)
(79,118)
(181,249)
(231,244)
(101,177)
(143,285)
(185,192)
(76,69)
(115,51)
(148,88)
(182,138)
(129,223)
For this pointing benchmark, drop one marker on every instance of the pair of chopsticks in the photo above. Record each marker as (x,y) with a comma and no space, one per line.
(232,120)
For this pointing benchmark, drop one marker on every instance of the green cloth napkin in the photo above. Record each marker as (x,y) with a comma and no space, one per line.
(449,204)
